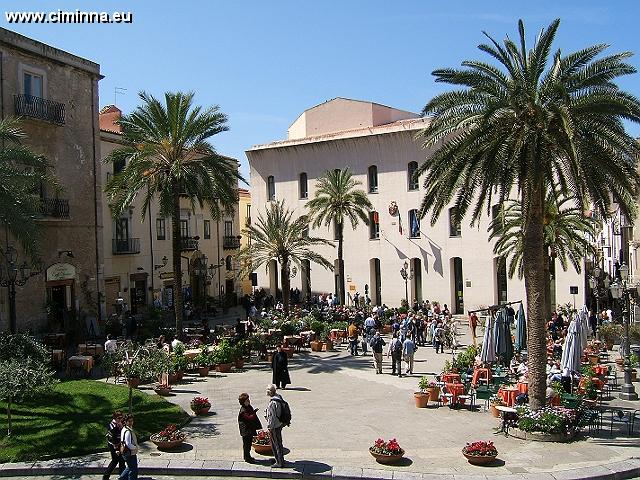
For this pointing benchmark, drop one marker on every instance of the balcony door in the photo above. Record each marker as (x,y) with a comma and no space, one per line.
(122,234)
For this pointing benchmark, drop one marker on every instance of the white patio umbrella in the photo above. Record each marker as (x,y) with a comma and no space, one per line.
(488,353)
(572,349)
(584,324)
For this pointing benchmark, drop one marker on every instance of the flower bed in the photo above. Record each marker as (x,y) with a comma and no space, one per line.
(548,420)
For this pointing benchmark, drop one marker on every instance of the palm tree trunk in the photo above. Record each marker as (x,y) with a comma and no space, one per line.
(285,281)
(341,293)
(176,246)
(534,278)
(547,287)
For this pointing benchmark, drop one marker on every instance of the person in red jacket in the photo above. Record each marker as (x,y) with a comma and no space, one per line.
(249,424)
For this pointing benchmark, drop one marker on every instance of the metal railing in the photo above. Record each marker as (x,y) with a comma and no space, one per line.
(40,108)
(54,207)
(230,242)
(125,246)
(189,243)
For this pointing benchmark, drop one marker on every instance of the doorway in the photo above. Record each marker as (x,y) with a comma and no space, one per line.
(416,282)
(375,278)
(458,286)
(501,280)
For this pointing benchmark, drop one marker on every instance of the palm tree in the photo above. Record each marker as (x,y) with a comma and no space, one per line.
(526,123)
(277,236)
(168,155)
(337,199)
(22,174)
(568,236)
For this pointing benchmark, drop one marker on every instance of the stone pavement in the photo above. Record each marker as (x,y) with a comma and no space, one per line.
(340,407)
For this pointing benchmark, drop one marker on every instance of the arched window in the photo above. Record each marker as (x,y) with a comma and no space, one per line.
(304,192)
(271,188)
(414,224)
(229,263)
(412,180)
(373,179)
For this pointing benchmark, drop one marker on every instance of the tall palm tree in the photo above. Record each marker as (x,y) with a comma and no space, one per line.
(336,200)
(22,173)
(524,123)
(277,236)
(167,156)
(568,236)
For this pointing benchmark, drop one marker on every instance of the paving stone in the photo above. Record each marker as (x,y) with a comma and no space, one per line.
(347,473)
(180,466)
(221,467)
(377,473)
(437,476)
(243,469)
(402,475)
(596,472)
(318,470)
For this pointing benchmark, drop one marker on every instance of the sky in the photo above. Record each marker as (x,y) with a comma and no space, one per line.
(265,62)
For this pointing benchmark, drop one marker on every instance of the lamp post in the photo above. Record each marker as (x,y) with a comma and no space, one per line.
(406,276)
(9,278)
(595,283)
(620,291)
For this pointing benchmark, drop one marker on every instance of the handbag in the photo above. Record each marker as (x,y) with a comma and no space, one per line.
(124,450)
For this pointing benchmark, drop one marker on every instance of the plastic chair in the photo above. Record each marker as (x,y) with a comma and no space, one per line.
(483,393)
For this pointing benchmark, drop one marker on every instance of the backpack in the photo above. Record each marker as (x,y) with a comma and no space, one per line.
(397,346)
(285,412)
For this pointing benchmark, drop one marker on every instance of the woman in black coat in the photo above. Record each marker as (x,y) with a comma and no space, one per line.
(249,424)
(280,369)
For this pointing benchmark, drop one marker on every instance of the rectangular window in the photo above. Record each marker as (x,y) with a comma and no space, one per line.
(207,229)
(122,229)
(271,188)
(33,84)
(414,224)
(161,232)
(248,215)
(184,228)
(411,179)
(373,179)
(304,192)
(455,229)
(374,226)
(228,229)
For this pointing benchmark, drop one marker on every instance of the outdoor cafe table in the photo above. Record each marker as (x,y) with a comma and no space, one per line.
(451,378)
(80,361)
(508,395)
(601,369)
(293,341)
(88,349)
(523,387)
(455,389)
(336,334)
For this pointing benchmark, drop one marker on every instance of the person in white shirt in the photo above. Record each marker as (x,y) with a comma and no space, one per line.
(130,454)
(110,345)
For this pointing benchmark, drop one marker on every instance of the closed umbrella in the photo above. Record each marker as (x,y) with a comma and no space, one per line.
(521,330)
(584,324)
(488,353)
(572,349)
(502,334)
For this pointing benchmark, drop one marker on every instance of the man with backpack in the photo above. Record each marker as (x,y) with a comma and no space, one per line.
(395,352)
(278,415)
(377,343)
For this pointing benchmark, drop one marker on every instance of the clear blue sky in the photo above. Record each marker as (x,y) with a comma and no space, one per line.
(264,62)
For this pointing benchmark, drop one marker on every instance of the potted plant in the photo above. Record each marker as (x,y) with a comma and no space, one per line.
(634,360)
(200,405)
(386,452)
(495,401)
(433,389)
(480,453)
(163,389)
(223,355)
(203,360)
(168,438)
(316,327)
(610,332)
(239,352)
(422,397)
(261,443)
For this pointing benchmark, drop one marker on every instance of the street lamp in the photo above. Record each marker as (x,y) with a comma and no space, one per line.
(620,291)
(9,278)
(406,275)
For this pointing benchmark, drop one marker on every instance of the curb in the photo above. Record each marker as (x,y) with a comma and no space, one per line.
(629,468)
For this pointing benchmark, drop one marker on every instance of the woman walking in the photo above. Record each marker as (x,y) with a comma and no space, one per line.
(113,442)
(249,424)
(129,449)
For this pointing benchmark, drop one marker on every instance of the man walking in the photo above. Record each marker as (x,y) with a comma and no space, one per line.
(353,337)
(395,352)
(408,350)
(274,424)
(377,343)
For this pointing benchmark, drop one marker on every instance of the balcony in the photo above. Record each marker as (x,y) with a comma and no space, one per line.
(40,108)
(230,242)
(126,246)
(54,208)
(189,243)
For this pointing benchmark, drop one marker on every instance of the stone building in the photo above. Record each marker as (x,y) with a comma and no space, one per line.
(56,95)
(137,257)
(245,221)
(448,262)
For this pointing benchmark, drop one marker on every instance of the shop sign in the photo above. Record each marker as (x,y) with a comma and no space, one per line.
(61,271)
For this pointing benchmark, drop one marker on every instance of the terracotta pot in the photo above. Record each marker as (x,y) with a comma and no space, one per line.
(634,375)
(387,459)
(477,460)
(201,411)
(239,363)
(164,445)
(289,351)
(180,375)
(203,371)
(316,346)
(224,367)
(262,449)
(421,399)
(163,392)
(494,411)
(434,393)
(173,378)
(327,346)
(133,382)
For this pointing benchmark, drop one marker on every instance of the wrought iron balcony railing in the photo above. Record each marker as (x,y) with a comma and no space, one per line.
(126,246)
(230,242)
(54,207)
(189,243)
(40,108)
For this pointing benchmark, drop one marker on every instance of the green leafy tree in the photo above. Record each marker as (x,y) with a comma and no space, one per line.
(168,156)
(24,371)
(22,174)
(530,120)
(568,236)
(337,200)
(278,236)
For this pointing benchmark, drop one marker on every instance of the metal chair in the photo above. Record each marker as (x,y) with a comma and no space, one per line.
(625,417)
(483,393)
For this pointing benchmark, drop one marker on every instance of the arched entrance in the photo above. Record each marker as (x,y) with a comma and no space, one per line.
(375,278)
(457,285)
(416,281)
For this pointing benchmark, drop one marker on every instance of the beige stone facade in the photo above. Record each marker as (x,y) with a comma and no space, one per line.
(138,255)
(451,264)
(56,93)
(245,221)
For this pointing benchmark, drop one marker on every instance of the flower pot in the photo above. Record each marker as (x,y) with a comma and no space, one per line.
(421,399)
(180,375)
(163,392)
(494,411)
(224,367)
(167,445)
(327,346)
(262,449)
(203,371)
(316,346)
(201,411)
(387,459)
(173,378)
(239,363)
(634,375)
(133,382)
(480,460)
(434,393)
